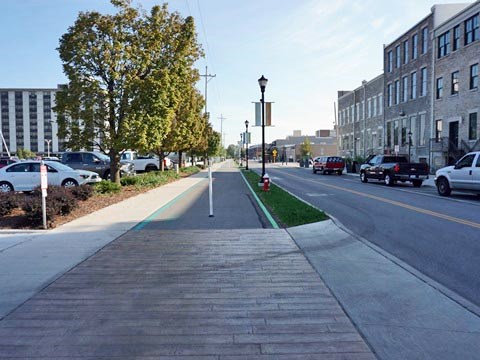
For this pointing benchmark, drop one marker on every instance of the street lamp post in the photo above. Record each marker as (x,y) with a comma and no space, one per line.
(48,146)
(409,143)
(246,144)
(263,84)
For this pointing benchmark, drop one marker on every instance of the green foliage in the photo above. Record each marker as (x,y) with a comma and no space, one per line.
(25,154)
(306,148)
(8,202)
(191,170)
(106,187)
(289,210)
(127,76)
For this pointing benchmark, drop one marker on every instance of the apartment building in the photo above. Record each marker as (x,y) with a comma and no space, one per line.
(360,119)
(28,121)
(456,97)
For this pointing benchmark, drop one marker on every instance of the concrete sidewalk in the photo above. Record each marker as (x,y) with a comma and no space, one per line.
(240,293)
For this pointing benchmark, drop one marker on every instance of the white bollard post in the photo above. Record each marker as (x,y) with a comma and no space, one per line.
(210,191)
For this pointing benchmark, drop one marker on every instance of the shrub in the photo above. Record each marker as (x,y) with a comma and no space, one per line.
(8,202)
(107,187)
(82,192)
(32,205)
(130,180)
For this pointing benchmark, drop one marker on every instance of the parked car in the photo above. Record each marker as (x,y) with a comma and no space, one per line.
(463,176)
(96,162)
(25,176)
(4,161)
(328,165)
(393,168)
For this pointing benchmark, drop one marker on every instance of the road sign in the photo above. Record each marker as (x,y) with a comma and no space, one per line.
(43,177)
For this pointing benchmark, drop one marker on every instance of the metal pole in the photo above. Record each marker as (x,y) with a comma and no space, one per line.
(246,147)
(263,133)
(210,191)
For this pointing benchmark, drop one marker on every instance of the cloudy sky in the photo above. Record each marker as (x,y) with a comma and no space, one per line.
(308,49)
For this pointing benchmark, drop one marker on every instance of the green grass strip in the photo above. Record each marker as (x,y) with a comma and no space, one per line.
(265,211)
(289,210)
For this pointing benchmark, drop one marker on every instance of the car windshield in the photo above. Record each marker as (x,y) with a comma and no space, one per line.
(59,166)
(102,157)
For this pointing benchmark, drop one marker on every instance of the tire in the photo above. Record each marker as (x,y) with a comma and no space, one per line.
(324,172)
(363,177)
(149,168)
(69,183)
(314,171)
(106,175)
(340,172)
(443,187)
(388,180)
(417,183)
(5,187)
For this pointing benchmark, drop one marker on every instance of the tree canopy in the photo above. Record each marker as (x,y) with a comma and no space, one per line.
(129,75)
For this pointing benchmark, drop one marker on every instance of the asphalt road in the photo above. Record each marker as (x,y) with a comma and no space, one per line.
(440,237)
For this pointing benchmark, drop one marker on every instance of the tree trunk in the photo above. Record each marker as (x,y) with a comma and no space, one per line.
(114,166)
(180,159)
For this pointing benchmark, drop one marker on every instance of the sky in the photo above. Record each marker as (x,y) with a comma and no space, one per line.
(307,49)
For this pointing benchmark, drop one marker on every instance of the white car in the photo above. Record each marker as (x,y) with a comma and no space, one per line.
(25,176)
(463,176)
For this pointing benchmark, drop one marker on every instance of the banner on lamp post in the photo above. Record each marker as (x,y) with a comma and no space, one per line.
(268,114)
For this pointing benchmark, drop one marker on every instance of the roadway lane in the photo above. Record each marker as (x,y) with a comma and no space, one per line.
(438,236)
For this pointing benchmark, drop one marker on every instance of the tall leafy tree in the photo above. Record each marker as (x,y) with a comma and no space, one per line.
(123,72)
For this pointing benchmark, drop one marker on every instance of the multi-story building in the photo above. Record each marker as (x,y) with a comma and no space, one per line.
(360,119)
(28,122)
(456,97)
(409,72)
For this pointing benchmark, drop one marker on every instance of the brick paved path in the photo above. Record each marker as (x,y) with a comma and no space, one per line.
(233,294)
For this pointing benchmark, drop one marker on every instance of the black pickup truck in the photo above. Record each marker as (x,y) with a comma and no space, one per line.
(391,168)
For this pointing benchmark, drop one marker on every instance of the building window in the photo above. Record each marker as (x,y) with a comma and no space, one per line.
(422,131)
(397,92)
(389,134)
(439,92)
(438,130)
(472,126)
(423,90)
(413,85)
(390,61)
(405,89)
(404,131)
(424,40)
(397,56)
(374,106)
(414,46)
(380,104)
(474,77)
(456,37)
(471,29)
(405,52)
(369,108)
(395,132)
(413,129)
(455,83)
(389,95)
(444,44)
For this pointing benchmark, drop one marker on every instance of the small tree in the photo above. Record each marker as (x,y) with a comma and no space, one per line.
(306,148)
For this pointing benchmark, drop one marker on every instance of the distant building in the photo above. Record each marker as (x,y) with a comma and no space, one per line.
(28,122)
(360,119)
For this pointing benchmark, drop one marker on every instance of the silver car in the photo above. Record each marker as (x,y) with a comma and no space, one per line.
(25,176)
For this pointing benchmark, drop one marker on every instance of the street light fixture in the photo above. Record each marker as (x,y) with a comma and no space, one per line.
(48,146)
(246,144)
(262,82)
(409,143)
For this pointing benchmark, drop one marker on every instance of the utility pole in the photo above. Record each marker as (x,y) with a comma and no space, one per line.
(207,77)
(221,128)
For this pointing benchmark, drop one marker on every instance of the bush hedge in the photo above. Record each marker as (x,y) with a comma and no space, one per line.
(8,202)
